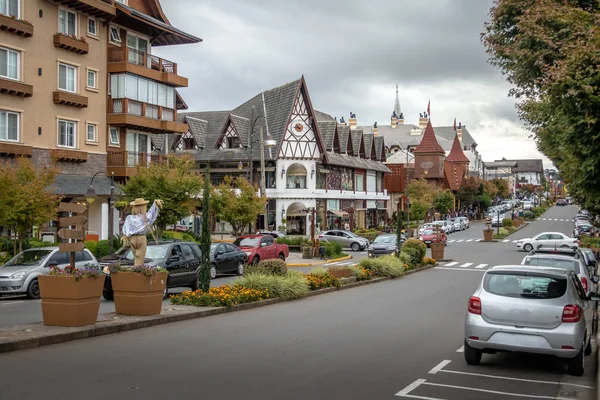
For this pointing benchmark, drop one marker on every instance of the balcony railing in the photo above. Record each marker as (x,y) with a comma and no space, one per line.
(125,59)
(132,159)
(132,107)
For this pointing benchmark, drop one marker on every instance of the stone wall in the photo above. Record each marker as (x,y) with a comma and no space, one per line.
(95,163)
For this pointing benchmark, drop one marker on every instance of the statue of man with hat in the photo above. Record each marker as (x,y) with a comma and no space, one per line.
(137,225)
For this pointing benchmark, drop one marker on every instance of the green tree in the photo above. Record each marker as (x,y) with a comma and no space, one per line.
(422,191)
(205,238)
(175,182)
(235,201)
(443,201)
(418,210)
(469,189)
(25,199)
(502,187)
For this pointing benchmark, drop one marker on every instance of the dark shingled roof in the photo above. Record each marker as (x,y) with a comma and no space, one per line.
(368,138)
(327,129)
(214,121)
(242,127)
(357,162)
(77,185)
(158,139)
(532,165)
(429,144)
(344,134)
(379,143)
(321,116)
(198,129)
(356,138)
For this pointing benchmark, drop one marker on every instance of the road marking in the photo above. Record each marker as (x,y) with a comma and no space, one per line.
(451,264)
(8,303)
(530,396)
(562,219)
(460,269)
(346,263)
(515,241)
(470,240)
(481,266)
(479,240)
(465,265)
(461,350)
(450,241)
(461,240)
(404,392)
(506,241)
(439,367)
(508,378)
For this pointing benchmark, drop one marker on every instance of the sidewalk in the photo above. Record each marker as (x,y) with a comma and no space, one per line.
(296,260)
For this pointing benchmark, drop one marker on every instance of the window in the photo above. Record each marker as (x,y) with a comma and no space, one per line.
(9,7)
(530,286)
(359,179)
(187,252)
(66,133)
(114,136)
(115,35)
(91,133)
(67,22)
(67,77)
(91,79)
(92,29)
(9,126)
(141,89)
(9,63)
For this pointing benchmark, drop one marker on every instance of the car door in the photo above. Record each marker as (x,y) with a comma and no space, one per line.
(588,306)
(543,240)
(176,266)
(191,263)
(268,248)
(59,258)
(236,255)
(222,259)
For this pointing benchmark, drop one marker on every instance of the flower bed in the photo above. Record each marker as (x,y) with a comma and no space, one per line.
(361,273)
(222,296)
(320,280)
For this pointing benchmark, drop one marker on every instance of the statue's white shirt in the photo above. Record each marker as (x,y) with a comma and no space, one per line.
(135,224)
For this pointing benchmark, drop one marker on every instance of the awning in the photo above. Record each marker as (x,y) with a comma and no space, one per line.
(341,214)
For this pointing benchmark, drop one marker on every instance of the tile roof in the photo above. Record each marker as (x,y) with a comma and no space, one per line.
(379,143)
(158,140)
(453,174)
(402,136)
(356,140)
(456,154)
(429,144)
(344,134)
(357,162)
(531,165)
(368,138)
(321,116)
(327,129)
(242,127)
(199,129)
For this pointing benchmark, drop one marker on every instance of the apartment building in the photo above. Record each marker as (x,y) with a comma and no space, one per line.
(78,79)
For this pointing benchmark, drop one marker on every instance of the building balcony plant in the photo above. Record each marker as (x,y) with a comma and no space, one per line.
(138,290)
(12,24)
(71,43)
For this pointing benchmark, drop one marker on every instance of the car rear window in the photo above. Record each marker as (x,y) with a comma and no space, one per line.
(525,285)
(573,265)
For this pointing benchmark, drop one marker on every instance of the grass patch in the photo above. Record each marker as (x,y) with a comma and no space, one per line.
(384,266)
(290,287)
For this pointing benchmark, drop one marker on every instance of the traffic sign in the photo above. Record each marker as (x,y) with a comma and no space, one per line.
(69,221)
(71,234)
(71,247)
(72,207)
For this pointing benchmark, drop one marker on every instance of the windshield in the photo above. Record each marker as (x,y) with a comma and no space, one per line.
(387,239)
(213,247)
(553,262)
(589,253)
(156,252)
(427,232)
(247,242)
(29,258)
(525,286)
(351,234)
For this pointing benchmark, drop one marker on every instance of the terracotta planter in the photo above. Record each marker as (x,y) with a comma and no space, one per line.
(488,235)
(66,302)
(137,294)
(339,273)
(437,251)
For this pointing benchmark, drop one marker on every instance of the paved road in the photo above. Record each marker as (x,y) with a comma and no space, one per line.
(399,338)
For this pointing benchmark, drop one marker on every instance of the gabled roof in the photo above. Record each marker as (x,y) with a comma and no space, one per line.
(327,129)
(356,142)
(344,133)
(429,144)
(532,165)
(158,140)
(379,150)
(350,147)
(368,138)
(198,129)
(456,154)
(242,126)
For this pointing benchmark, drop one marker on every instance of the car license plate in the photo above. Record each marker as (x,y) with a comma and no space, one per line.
(428,241)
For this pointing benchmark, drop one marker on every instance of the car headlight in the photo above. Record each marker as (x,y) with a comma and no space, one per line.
(19,274)
(248,253)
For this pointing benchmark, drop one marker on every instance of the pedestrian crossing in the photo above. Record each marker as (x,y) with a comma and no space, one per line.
(463,266)
(557,219)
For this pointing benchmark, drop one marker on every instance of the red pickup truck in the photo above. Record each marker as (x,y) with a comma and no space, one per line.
(261,247)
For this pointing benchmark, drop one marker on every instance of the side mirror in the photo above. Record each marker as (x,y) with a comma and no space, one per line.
(594,296)
(595,278)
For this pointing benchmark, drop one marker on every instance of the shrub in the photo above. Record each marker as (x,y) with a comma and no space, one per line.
(91,246)
(405,258)
(187,237)
(321,280)
(429,261)
(415,256)
(34,244)
(274,267)
(102,249)
(333,250)
(419,246)
(290,287)
(384,266)
(361,273)
(528,215)
(172,235)
(507,222)
(222,296)
(293,240)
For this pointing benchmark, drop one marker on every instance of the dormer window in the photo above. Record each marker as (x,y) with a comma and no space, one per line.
(231,139)
(233,142)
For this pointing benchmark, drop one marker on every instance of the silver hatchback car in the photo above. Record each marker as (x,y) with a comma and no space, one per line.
(527,309)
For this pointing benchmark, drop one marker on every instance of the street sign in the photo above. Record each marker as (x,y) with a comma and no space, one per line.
(69,221)
(72,207)
(70,247)
(77,234)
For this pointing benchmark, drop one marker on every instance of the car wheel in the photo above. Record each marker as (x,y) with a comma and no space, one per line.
(166,291)
(281,256)
(588,348)
(472,355)
(528,247)
(256,260)
(33,291)
(576,364)
(240,268)
(213,272)
(108,295)
(355,246)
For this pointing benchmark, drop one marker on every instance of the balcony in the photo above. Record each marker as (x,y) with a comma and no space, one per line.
(69,155)
(124,163)
(17,26)
(98,8)
(69,43)
(15,149)
(124,59)
(143,116)
(69,99)
(15,88)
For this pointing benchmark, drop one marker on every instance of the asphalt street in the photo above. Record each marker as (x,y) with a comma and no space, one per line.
(400,338)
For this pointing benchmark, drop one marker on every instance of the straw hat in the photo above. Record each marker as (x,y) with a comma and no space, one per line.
(139,202)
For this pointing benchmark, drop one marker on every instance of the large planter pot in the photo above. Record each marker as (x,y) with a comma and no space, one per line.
(488,235)
(307,252)
(137,294)
(340,272)
(437,251)
(67,302)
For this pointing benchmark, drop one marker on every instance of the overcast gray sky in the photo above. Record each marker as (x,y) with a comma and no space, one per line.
(352,53)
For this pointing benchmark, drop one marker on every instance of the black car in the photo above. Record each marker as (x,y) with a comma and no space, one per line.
(226,258)
(180,259)
(561,202)
(384,244)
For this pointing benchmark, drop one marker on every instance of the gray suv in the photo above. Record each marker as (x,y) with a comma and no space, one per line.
(346,239)
(19,275)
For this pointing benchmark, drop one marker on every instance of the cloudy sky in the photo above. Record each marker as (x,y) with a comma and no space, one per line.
(352,53)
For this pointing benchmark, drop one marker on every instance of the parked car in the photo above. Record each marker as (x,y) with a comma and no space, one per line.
(226,258)
(346,238)
(547,239)
(561,202)
(276,235)
(460,223)
(456,224)
(466,222)
(384,244)
(497,219)
(529,309)
(180,259)
(261,247)
(424,227)
(527,205)
(589,258)
(112,258)
(583,229)
(430,236)
(445,225)
(20,274)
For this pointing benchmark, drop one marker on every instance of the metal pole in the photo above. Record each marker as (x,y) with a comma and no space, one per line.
(250,139)
(111,212)
(263,191)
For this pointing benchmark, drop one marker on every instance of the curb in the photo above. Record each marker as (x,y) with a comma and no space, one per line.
(112,324)
(516,230)
(338,259)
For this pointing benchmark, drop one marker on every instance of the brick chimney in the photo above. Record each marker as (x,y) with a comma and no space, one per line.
(401,119)
(423,120)
(342,122)
(352,120)
(375,129)
(459,131)
(394,120)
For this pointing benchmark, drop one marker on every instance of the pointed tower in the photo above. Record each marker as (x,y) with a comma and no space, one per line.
(397,115)
(429,156)
(457,156)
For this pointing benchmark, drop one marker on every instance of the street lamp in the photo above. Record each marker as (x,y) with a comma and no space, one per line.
(90,197)
(269,142)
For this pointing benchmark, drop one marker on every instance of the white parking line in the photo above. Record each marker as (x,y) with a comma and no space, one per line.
(346,263)
(480,266)
(8,303)
(505,241)
(461,240)
(451,264)
(508,378)
(562,219)
(479,240)
(460,269)
(470,240)
(405,392)
(439,367)
(450,241)
(515,241)
(461,350)
(465,265)
(530,396)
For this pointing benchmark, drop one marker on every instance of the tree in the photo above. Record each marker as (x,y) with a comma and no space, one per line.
(235,201)
(443,201)
(502,187)
(24,199)
(469,189)
(418,210)
(205,238)
(174,182)
(549,51)
(527,188)
(422,191)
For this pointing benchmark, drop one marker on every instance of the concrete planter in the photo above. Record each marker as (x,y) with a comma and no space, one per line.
(137,294)
(437,251)
(67,302)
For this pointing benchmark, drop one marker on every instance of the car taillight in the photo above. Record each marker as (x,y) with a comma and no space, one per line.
(475,305)
(571,313)
(584,283)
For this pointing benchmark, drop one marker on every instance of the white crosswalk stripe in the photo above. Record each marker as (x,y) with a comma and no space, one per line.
(461,240)
(465,265)
(505,241)
(480,266)
(470,240)
(451,241)
(450,264)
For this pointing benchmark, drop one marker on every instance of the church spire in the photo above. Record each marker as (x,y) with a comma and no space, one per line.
(397,109)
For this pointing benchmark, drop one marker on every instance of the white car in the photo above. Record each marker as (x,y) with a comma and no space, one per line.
(527,205)
(444,225)
(547,239)
(424,227)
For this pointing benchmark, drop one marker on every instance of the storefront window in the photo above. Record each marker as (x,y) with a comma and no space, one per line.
(296,177)
(360,183)
(321,180)
(334,180)
(347,179)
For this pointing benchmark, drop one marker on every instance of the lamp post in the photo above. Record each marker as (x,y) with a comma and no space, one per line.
(90,196)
